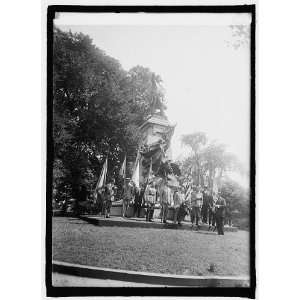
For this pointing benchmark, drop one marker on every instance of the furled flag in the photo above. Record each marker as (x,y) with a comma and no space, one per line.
(136,174)
(102,178)
(122,172)
(150,173)
(189,183)
(215,188)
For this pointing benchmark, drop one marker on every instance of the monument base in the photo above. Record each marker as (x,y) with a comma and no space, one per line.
(117,210)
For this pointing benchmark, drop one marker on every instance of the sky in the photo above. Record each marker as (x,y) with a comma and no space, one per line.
(206,79)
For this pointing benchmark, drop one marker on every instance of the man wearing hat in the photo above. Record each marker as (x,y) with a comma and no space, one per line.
(128,196)
(205,205)
(150,198)
(100,200)
(164,201)
(212,198)
(138,201)
(109,193)
(195,204)
(220,213)
(178,200)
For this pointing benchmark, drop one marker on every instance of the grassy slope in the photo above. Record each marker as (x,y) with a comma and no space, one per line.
(150,250)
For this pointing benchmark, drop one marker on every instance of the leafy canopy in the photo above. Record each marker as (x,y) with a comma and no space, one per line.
(97,108)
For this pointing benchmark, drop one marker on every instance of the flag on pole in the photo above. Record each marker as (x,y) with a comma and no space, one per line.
(102,178)
(150,171)
(136,174)
(215,188)
(122,172)
(189,184)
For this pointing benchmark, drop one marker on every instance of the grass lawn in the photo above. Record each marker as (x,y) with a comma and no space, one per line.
(151,250)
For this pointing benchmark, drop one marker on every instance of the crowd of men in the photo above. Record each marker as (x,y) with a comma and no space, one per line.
(201,204)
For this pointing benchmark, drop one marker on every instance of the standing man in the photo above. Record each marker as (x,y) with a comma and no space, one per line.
(99,200)
(211,211)
(195,205)
(127,197)
(177,198)
(205,205)
(109,197)
(138,200)
(183,209)
(150,197)
(164,201)
(220,213)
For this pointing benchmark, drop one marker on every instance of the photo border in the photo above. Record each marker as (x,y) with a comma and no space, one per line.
(52,291)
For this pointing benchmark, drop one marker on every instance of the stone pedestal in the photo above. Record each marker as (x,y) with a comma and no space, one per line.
(116,210)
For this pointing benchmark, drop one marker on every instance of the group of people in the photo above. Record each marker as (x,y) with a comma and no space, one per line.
(209,208)
(201,204)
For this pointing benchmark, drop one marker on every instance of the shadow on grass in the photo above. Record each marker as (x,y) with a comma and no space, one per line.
(206,232)
(139,224)
(130,223)
(127,223)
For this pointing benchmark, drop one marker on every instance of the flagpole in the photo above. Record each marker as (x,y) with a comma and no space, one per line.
(125,169)
(103,174)
(124,177)
(137,158)
(136,165)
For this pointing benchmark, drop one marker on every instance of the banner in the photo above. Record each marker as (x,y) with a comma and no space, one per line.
(102,178)
(122,172)
(136,174)
(188,184)
(150,175)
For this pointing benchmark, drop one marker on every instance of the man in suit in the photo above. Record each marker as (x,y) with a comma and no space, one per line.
(211,211)
(196,199)
(150,198)
(109,197)
(220,213)
(127,197)
(177,199)
(205,205)
(164,201)
(138,200)
(100,200)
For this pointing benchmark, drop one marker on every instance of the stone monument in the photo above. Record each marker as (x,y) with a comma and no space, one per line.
(156,133)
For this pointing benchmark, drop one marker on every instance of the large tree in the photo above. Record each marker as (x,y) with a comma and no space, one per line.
(237,201)
(195,163)
(144,90)
(97,108)
(208,162)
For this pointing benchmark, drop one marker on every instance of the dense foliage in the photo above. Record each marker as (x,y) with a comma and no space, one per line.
(237,201)
(209,163)
(97,107)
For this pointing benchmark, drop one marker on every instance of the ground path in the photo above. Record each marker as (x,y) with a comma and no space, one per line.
(77,281)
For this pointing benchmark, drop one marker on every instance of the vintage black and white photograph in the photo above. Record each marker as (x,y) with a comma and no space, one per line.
(150,149)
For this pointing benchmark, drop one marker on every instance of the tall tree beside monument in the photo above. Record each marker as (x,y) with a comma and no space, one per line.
(210,160)
(97,109)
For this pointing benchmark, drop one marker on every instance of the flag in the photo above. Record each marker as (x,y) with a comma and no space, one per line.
(136,174)
(188,184)
(122,172)
(188,191)
(215,188)
(102,178)
(150,171)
